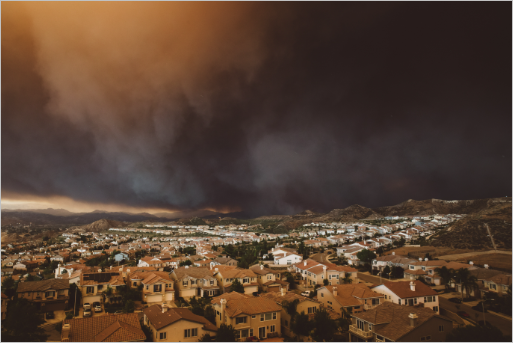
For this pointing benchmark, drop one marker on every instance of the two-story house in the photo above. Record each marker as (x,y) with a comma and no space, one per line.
(100,287)
(176,324)
(391,322)
(284,299)
(312,272)
(409,293)
(156,287)
(196,281)
(250,316)
(46,295)
(267,279)
(225,275)
(352,297)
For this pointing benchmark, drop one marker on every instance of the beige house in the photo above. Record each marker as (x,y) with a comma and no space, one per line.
(225,275)
(391,322)
(304,304)
(353,298)
(176,324)
(267,279)
(312,272)
(250,316)
(195,282)
(94,287)
(46,295)
(499,283)
(156,287)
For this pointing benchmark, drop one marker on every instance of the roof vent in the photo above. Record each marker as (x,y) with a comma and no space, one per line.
(471,263)
(262,267)
(420,259)
(412,286)
(426,259)
(486,266)
(305,263)
(393,252)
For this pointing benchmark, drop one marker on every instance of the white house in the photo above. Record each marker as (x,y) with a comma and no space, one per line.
(409,293)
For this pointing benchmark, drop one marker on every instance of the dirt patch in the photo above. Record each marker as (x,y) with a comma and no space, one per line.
(495,261)
(416,252)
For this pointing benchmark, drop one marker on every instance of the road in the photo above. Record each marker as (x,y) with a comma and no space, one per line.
(500,322)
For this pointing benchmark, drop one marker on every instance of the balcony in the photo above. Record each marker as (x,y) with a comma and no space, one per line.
(355,330)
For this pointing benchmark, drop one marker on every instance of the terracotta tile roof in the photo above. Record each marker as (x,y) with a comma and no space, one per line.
(172,315)
(107,328)
(261,270)
(238,303)
(194,272)
(396,319)
(35,286)
(350,295)
(501,279)
(402,289)
(289,296)
(415,272)
(347,269)
(232,272)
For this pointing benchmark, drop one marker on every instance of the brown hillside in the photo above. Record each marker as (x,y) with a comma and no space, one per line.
(471,232)
(99,225)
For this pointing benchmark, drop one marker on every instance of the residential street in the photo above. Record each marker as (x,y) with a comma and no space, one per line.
(500,322)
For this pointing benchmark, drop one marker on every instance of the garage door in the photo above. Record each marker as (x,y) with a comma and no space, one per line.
(273,289)
(91,299)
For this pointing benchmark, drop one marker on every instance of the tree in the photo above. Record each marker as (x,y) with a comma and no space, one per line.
(225,333)
(237,286)
(22,323)
(31,277)
(380,250)
(301,324)
(386,271)
(468,282)
(205,338)
(366,256)
(325,282)
(347,279)
(397,272)
(345,320)
(446,275)
(147,332)
(290,306)
(64,271)
(9,287)
(210,314)
(129,307)
(478,333)
(325,327)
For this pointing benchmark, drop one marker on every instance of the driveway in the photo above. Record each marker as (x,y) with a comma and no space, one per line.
(502,323)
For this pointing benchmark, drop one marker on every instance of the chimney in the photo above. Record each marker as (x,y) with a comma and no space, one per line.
(305,263)
(121,269)
(420,259)
(110,267)
(223,307)
(217,270)
(283,291)
(261,267)
(413,319)
(285,254)
(486,266)
(335,291)
(412,286)
(471,263)
(272,249)
(65,332)
(393,252)
(128,270)
(186,267)
(426,259)
(99,270)
(164,308)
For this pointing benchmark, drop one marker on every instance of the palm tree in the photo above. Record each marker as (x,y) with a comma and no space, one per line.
(446,274)
(467,281)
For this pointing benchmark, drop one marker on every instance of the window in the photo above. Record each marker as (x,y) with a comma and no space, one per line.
(135,283)
(190,333)
(274,315)
(193,282)
(370,327)
(100,287)
(441,328)
(322,295)
(375,301)
(311,310)
(49,294)
(268,316)
(261,317)
(89,290)
(399,301)
(250,332)
(272,328)
(211,282)
(185,283)
(157,288)
(245,280)
(239,320)
(435,308)
(147,287)
(163,335)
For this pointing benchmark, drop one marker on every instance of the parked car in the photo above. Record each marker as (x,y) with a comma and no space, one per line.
(87,313)
(463,314)
(50,315)
(455,300)
(97,306)
(306,293)
(118,312)
(87,306)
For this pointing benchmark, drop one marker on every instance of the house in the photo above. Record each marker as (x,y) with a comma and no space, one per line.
(250,316)
(353,298)
(121,256)
(95,287)
(225,261)
(176,324)
(46,295)
(109,328)
(198,282)
(267,279)
(304,305)
(286,258)
(499,283)
(157,287)
(409,293)
(225,275)
(391,322)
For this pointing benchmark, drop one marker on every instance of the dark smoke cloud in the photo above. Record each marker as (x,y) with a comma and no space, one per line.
(267,108)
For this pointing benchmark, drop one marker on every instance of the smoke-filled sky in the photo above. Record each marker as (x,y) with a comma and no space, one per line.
(267,108)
